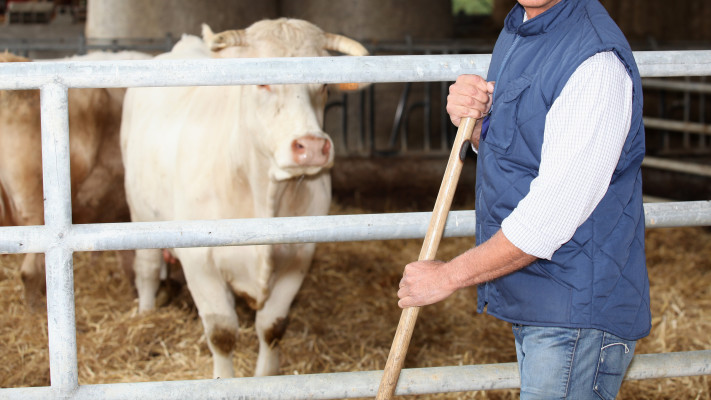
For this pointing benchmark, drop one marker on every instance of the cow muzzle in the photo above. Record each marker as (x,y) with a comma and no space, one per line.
(311,151)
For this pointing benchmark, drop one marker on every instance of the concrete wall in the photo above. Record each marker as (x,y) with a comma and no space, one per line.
(376,19)
(154,18)
(362,19)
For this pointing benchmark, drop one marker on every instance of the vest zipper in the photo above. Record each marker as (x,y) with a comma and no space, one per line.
(503,64)
(485,123)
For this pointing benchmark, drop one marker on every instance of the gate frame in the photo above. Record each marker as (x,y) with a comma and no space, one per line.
(59,238)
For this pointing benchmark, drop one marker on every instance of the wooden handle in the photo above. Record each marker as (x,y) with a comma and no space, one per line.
(405,327)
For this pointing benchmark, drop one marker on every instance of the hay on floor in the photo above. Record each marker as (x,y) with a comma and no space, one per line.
(343,319)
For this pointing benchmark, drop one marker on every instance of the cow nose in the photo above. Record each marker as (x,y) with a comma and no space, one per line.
(311,151)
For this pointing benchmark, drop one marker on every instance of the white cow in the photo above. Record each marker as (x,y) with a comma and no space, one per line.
(233,152)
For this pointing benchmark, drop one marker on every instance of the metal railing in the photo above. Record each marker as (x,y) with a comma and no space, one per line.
(59,238)
(692,136)
(685,127)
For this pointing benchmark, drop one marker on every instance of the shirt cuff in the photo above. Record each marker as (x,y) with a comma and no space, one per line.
(530,241)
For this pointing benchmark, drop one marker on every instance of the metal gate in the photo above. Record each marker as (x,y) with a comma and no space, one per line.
(59,238)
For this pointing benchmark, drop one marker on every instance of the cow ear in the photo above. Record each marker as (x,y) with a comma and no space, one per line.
(348,87)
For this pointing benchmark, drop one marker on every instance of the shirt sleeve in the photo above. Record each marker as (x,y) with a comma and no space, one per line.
(583,137)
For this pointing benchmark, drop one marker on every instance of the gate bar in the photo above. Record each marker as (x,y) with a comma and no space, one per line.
(678,166)
(683,126)
(359,384)
(681,86)
(256,231)
(61,328)
(293,70)
(53,79)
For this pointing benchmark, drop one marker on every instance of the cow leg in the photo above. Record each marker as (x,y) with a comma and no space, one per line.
(33,280)
(30,212)
(147,266)
(272,319)
(126,259)
(216,306)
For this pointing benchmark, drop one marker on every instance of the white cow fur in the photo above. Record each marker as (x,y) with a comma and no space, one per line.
(205,153)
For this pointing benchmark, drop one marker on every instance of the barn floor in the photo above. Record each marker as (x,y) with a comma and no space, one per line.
(343,319)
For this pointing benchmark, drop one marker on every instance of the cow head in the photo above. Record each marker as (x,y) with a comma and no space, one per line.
(289,117)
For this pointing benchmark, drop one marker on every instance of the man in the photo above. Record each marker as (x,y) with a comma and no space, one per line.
(560,224)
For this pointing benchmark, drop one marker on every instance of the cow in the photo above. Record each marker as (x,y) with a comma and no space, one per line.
(226,152)
(96,165)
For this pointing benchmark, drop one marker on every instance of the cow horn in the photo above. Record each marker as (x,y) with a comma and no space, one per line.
(344,45)
(226,39)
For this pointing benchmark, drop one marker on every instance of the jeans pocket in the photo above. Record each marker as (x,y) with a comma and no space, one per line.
(615,356)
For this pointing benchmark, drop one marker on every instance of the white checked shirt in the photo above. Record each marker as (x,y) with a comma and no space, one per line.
(585,130)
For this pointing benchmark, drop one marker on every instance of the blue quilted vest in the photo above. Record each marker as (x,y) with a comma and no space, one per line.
(599,278)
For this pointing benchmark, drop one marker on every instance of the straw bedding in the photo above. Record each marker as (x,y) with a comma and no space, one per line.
(343,319)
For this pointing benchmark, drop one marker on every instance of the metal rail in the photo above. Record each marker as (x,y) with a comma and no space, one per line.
(694,87)
(699,130)
(58,238)
(360,384)
(296,70)
(255,231)
(677,166)
(682,126)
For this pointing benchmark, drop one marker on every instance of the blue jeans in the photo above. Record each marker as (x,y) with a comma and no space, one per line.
(565,363)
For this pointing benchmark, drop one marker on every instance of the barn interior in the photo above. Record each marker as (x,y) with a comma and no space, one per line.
(392,143)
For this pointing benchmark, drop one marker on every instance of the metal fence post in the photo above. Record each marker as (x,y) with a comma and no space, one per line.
(58,219)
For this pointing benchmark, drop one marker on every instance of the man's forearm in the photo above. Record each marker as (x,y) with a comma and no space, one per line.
(492,259)
(429,281)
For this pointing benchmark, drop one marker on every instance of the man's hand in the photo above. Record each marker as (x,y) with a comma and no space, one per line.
(469,96)
(425,282)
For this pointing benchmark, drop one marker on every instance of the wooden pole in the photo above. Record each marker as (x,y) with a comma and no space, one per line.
(401,342)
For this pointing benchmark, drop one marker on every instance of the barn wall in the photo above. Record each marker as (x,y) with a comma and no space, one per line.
(647,23)
(376,19)
(662,21)
(153,19)
(364,19)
